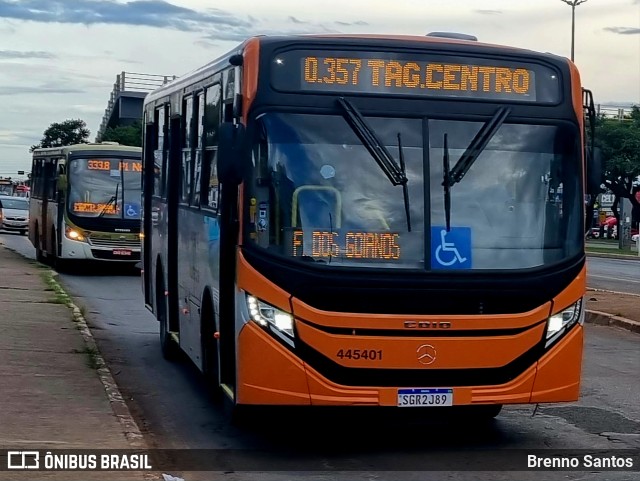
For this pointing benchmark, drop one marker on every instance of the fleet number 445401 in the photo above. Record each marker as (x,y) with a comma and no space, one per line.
(367,354)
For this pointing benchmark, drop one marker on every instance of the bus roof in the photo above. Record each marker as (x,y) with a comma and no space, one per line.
(101,146)
(368,40)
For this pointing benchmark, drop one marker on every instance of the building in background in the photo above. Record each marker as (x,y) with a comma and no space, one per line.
(125,103)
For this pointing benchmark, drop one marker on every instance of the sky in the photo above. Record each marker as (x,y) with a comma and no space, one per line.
(59,58)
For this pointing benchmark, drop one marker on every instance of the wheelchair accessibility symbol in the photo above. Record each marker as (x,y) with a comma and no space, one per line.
(132,211)
(451,250)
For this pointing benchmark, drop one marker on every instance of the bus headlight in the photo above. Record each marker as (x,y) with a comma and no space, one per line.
(562,321)
(271,318)
(73,234)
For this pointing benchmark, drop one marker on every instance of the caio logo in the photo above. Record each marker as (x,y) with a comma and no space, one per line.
(23,460)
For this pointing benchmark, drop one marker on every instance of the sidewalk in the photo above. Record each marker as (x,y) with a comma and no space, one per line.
(51,396)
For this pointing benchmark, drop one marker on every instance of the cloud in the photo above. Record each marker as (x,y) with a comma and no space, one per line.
(241,33)
(350,24)
(153,13)
(13,54)
(489,12)
(42,89)
(624,30)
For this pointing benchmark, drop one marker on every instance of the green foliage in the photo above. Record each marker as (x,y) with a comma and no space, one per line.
(620,144)
(59,134)
(125,134)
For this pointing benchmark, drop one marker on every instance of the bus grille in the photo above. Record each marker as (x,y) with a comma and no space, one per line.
(115,243)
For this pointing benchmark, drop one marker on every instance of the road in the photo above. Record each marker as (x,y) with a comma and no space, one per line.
(614,274)
(171,404)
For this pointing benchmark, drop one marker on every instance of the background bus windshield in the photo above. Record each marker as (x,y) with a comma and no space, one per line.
(318,195)
(109,188)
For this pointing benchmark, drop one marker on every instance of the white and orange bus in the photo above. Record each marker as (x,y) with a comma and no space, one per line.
(85,203)
(371,221)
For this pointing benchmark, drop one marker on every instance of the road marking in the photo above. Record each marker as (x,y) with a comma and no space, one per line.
(613,278)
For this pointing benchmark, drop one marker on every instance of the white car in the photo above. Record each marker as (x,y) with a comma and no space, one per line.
(14,214)
(634,237)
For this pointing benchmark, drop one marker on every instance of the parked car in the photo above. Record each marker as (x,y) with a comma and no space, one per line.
(14,214)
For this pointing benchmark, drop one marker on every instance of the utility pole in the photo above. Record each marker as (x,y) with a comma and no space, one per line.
(573,4)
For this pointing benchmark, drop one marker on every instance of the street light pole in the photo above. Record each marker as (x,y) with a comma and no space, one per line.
(573,4)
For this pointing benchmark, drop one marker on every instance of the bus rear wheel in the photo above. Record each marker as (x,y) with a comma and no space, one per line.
(38,246)
(170,350)
(210,362)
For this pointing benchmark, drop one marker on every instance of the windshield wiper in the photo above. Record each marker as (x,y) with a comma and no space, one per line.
(477,145)
(114,198)
(405,187)
(447,187)
(394,172)
(467,159)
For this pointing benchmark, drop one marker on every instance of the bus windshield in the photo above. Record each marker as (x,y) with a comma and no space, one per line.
(317,195)
(105,187)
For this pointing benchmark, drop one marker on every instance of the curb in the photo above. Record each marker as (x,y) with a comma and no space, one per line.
(606,319)
(131,430)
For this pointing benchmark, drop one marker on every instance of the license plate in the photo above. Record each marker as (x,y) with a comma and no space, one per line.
(421,397)
(121,252)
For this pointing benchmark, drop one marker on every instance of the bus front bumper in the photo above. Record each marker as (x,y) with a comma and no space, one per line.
(270,374)
(72,249)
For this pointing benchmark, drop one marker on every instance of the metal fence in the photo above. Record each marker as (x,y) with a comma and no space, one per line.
(614,112)
(131,82)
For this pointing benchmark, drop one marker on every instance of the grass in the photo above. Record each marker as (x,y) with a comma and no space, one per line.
(60,297)
(92,356)
(610,250)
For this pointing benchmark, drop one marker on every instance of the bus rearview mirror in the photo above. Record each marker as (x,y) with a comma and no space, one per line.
(231,151)
(594,172)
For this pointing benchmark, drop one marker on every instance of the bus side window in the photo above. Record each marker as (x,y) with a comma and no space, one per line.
(187,136)
(52,177)
(199,131)
(212,119)
(36,174)
(158,158)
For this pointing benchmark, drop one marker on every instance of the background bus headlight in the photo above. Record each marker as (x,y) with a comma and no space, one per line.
(278,322)
(73,234)
(562,321)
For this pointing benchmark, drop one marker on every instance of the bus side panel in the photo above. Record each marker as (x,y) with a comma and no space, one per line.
(559,371)
(267,372)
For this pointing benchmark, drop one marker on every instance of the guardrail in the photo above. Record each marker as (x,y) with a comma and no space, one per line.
(131,82)
(613,112)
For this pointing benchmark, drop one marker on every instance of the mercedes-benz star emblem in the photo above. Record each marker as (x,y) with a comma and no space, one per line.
(426,354)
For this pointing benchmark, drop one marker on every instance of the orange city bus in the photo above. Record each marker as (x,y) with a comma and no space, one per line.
(371,220)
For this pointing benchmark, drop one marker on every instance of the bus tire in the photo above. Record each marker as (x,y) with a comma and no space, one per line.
(170,350)
(210,360)
(482,413)
(56,262)
(38,246)
(241,416)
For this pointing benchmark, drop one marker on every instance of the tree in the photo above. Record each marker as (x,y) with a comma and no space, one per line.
(125,134)
(59,134)
(620,144)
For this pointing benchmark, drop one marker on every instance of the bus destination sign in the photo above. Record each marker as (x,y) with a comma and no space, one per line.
(416,75)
